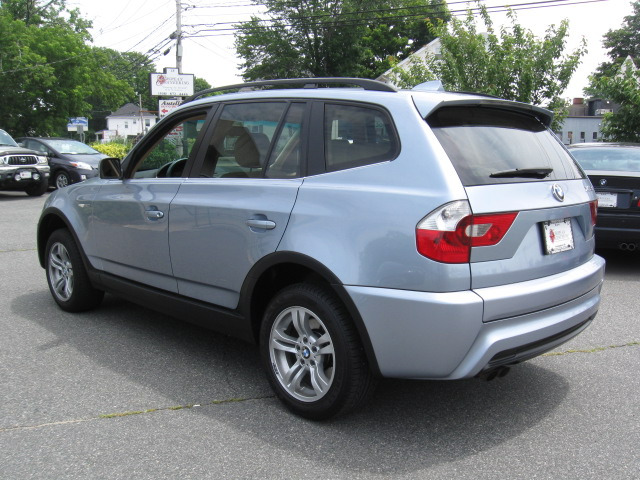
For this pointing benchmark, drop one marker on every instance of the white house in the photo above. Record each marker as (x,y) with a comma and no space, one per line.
(130,121)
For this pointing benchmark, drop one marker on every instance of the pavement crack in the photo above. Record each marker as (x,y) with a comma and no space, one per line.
(133,412)
(590,350)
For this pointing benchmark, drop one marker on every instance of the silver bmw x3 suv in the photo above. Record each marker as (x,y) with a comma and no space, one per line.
(352,233)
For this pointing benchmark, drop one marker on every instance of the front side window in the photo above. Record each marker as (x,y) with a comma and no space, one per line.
(490,145)
(242,140)
(169,154)
(356,136)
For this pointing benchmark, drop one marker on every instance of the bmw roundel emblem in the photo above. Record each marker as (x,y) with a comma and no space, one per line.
(603,181)
(558,193)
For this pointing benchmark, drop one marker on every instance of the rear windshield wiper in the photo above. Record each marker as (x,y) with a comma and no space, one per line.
(540,173)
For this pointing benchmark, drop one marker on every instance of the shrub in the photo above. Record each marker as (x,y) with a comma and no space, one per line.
(113,149)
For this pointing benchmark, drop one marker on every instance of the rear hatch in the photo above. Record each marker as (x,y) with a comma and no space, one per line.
(509,161)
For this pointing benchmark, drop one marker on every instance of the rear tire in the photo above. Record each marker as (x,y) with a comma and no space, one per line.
(312,353)
(66,275)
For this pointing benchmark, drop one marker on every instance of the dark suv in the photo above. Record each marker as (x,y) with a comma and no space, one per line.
(22,169)
(351,232)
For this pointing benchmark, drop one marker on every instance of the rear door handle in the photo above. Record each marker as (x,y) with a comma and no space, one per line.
(261,224)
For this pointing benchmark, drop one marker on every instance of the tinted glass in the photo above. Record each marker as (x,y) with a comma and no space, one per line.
(356,136)
(620,159)
(242,140)
(485,142)
(285,160)
(168,156)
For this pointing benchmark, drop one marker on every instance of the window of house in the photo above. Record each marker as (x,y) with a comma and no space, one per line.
(582,136)
(595,135)
(126,124)
(147,122)
(356,136)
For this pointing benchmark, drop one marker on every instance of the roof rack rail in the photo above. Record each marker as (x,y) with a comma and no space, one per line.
(312,82)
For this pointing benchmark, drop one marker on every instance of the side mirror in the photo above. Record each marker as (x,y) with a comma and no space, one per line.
(110,169)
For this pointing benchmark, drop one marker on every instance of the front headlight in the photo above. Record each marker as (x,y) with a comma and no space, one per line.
(81,165)
(42,160)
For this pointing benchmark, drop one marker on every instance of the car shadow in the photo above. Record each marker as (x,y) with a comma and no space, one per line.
(622,263)
(407,426)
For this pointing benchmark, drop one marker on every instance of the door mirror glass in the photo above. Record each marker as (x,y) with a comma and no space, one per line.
(110,169)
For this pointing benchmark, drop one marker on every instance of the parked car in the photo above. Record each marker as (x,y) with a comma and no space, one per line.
(614,171)
(22,169)
(71,161)
(352,233)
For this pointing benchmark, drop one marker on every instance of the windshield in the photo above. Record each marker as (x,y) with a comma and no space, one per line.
(617,159)
(490,145)
(5,139)
(71,147)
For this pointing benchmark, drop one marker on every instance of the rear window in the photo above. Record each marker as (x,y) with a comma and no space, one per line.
(617,159)
(490,145)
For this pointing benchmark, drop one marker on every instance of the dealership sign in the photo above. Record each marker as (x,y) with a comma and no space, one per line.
(172,84)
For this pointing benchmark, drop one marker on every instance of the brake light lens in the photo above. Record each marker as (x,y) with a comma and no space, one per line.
(448,233)
(594,212)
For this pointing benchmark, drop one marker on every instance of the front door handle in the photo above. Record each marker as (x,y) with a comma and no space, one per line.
(154,214)
(261,224)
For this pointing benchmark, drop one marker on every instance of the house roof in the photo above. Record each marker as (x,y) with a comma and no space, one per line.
(130,110)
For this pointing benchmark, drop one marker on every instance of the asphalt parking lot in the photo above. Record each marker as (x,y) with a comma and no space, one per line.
(123,392)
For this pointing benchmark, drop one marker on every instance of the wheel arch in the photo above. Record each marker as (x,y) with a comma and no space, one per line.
(50,221)
(281,269)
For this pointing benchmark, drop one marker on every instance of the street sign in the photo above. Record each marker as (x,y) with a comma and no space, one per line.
(75,122)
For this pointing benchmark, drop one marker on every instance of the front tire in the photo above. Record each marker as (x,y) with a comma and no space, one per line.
(62,180)
(312,353)
(66,275)
(37,189)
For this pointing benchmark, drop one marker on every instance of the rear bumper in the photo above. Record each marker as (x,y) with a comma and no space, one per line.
(446,336)
(612,230)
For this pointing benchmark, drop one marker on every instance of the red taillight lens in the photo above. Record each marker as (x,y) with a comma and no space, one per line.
(594,212)
(448,233)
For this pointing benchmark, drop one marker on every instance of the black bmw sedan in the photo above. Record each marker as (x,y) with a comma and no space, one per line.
(614,170)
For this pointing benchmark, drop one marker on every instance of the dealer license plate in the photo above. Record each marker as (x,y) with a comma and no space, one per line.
(25,174)
(607,200)
(558,236)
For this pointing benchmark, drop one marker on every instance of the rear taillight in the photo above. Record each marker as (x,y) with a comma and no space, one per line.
(448,233)
(594,212)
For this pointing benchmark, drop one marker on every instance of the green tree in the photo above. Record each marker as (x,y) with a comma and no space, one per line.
(301,38)
(622,43)
(511,63)
(47,70)
(622,88)
(618,80)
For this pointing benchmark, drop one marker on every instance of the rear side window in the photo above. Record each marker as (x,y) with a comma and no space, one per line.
(356,136)
(490,145)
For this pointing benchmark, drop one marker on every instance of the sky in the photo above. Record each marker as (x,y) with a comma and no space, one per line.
(145,26)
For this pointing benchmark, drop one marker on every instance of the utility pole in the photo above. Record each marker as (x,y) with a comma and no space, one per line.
(179,36)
